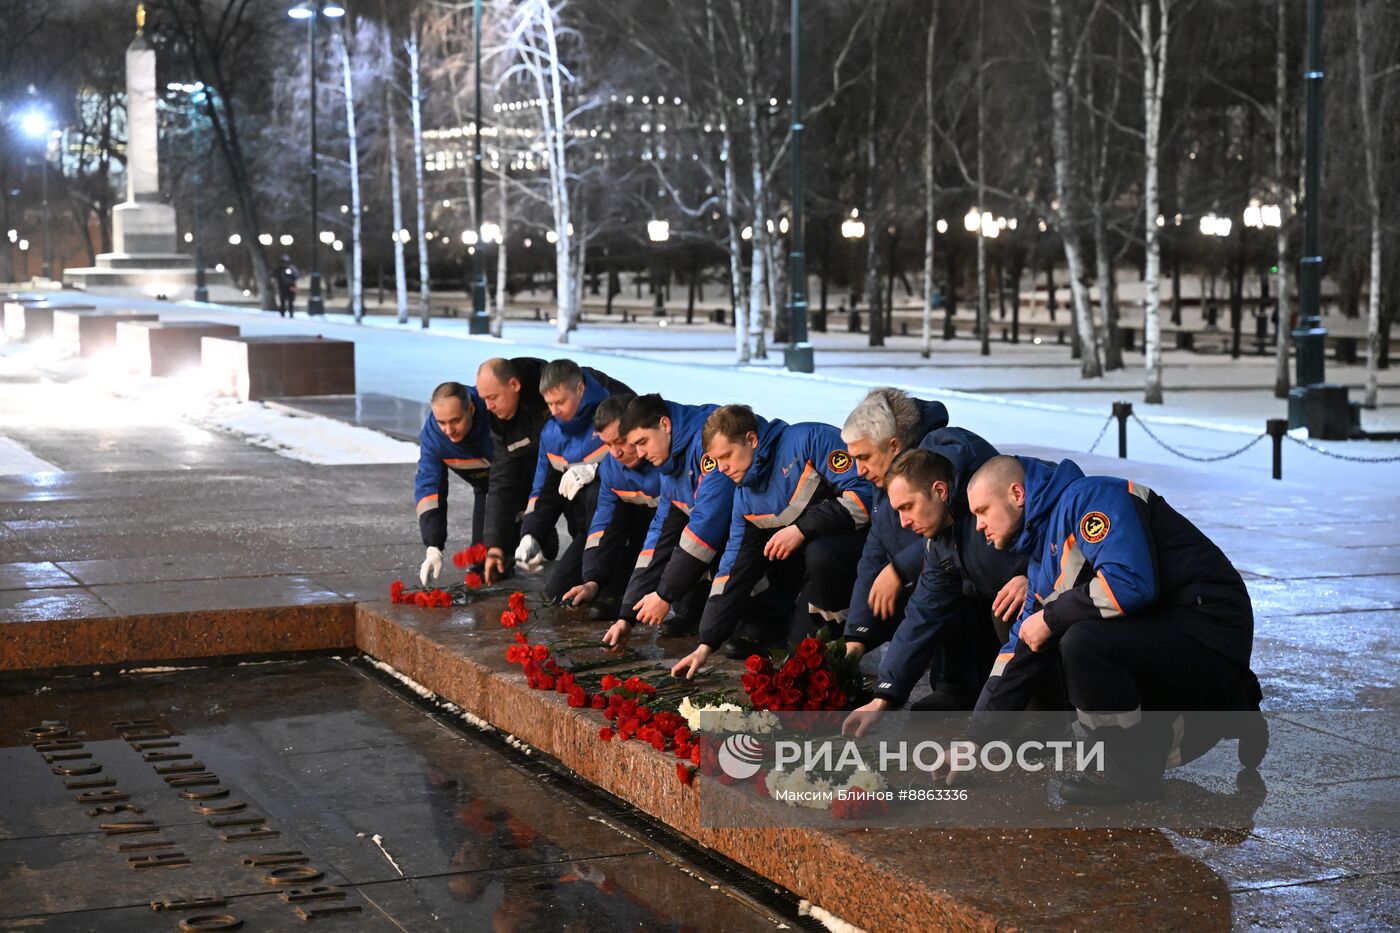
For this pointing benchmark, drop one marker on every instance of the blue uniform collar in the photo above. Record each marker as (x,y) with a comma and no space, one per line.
(1045,483)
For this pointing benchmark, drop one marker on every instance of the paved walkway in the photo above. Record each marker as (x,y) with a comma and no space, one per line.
(151,516)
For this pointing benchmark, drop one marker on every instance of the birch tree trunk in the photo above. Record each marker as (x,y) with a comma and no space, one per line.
(356,270)
(930,218)
(1373,207)
(396,197)
(1282,377)
(1067,191)
(875,218)
(1154,81)
(1108,292)
(736,253)
(758,255)
(415,94)
(502,253)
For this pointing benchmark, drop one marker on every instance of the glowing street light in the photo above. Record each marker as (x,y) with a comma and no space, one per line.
(1258,216)
(658,231)
(1213,225)
(490,232)
(469,237)
(853,228)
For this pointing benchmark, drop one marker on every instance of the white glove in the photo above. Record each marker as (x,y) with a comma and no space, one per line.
(432,562)
(575,478)
(529,555)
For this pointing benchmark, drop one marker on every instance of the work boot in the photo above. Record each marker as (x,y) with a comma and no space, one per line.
(1094,789)
(741,647)
(944,702)
(677,625)
(605,609)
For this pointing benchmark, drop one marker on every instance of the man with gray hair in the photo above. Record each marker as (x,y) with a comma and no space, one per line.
(885,424)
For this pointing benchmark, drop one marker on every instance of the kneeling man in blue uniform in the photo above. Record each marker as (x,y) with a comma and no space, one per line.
(629,490)
(1142,611)
(800,515)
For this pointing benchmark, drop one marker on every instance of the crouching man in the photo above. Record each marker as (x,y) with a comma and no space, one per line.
(799,520)
(1141,611)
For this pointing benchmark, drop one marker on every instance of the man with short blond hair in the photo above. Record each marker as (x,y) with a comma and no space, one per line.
(800,514)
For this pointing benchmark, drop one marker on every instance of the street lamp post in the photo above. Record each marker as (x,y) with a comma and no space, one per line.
(658,231)
(798,356)
(196,96)
(1321,408)
(312,11)
(480,322)
(36,125)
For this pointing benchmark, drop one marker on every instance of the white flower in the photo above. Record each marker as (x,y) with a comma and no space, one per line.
(726,717)
(868,781)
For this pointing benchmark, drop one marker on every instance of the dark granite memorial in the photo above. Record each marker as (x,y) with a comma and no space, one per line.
(280,793)
(92,333)
(32,319)
(166,348)
(256,368)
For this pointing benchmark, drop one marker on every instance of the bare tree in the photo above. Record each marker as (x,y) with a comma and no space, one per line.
(356,283)
(396,199)
(415,111)
(930,214)
(1369,145)
(1152,43)
(534,33)
(1067,190)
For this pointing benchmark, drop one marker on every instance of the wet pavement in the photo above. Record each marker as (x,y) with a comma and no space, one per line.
(418,824)
(158,516)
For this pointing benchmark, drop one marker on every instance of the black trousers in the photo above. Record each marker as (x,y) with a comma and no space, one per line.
(1129,678)
(645,580)
(816,583)
(566,571)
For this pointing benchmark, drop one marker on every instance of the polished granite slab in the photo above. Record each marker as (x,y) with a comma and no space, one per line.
(417,824)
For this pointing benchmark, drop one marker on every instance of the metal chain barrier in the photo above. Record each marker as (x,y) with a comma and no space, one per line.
(1336,456)
(1102,431)
(1185,456)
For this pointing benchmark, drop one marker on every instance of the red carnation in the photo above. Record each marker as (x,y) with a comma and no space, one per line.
(396,591)
(609,682)
(605,734)
(473,581)
(509,620)
(578,697)
(540,652)
(685,773)
(459,560)
(695,754)
(476,554)
(598,701)
(517,604)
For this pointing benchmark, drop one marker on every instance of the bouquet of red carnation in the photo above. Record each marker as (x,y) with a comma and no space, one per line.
(815,676)
(456,594)
(469,557)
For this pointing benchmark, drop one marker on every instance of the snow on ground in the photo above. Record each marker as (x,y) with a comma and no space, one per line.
(16,458)
(53,381)
(1219,416)
(308,438)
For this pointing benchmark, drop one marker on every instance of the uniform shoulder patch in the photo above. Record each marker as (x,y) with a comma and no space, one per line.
(838,461)
(707,464)
(1093,527)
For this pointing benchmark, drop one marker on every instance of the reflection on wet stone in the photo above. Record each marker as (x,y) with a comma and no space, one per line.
(365,814)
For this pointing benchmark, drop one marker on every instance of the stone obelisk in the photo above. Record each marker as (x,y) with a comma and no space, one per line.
(142,224)
(144,259)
